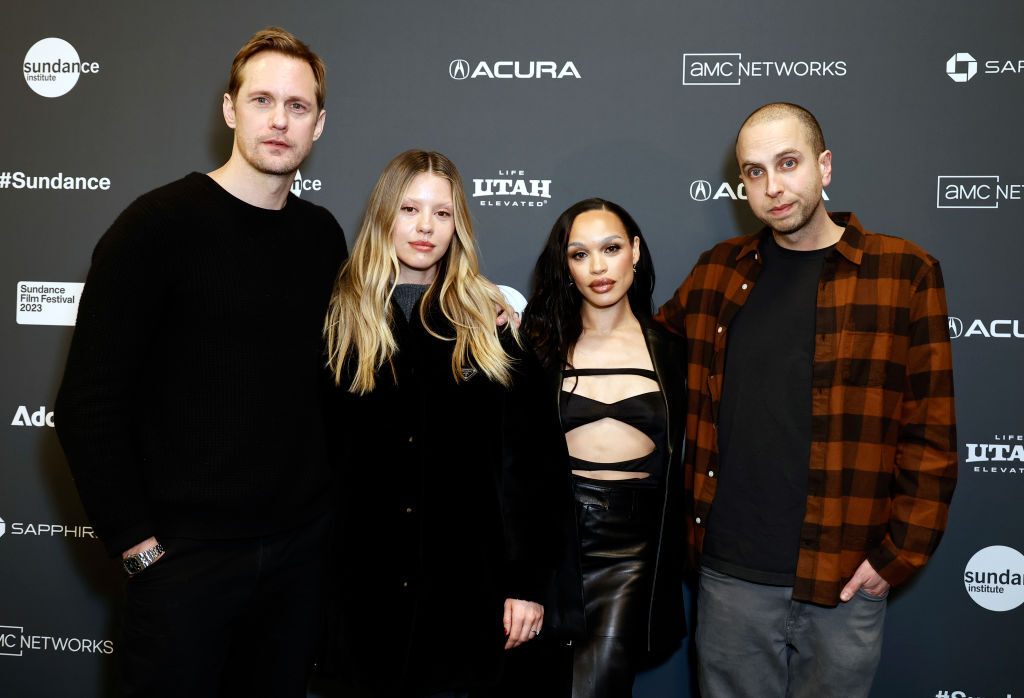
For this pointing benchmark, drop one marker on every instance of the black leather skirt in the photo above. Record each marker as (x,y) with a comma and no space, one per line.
(617,523)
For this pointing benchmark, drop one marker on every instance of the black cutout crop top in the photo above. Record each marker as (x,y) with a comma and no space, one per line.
(645,412)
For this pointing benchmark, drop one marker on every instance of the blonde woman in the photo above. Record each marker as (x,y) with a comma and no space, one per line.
(445,486)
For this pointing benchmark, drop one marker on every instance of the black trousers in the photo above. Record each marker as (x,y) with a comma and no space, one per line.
(618,524)
(238,617)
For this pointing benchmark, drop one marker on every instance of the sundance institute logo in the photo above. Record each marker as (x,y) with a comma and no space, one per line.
(301,184)
(52,67)
(994,578)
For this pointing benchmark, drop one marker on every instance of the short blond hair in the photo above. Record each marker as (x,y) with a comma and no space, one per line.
(282,41)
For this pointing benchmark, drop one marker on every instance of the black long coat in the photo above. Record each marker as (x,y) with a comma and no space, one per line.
(448,497)
(666,623)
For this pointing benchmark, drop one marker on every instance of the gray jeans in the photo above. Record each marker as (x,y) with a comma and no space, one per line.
(755,640)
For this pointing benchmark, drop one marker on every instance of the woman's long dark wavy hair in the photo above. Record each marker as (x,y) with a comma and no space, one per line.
(552,320)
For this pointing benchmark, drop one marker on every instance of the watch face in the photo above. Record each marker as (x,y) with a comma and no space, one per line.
(133,565)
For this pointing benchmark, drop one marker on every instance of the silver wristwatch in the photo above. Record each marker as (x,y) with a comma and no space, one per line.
(133,564)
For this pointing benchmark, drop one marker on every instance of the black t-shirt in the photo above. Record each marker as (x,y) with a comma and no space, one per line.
(764,429)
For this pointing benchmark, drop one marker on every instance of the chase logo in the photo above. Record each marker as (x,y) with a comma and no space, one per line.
(458,69)
(961,67)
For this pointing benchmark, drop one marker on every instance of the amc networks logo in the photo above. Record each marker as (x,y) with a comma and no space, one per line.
(14,642)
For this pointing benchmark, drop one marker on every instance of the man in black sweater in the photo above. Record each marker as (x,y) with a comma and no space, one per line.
(190,410)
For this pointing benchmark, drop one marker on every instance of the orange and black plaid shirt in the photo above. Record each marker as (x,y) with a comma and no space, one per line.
(883,459)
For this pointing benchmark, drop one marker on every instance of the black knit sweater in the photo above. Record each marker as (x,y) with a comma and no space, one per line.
(190,403)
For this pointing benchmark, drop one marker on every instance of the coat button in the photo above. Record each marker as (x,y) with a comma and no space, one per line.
(744,287)
(412,439)
(408,510)
(720,328)
(711,473)
(698,519)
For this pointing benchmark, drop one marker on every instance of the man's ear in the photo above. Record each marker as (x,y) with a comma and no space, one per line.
(319,128)
(228,107)
(825,166)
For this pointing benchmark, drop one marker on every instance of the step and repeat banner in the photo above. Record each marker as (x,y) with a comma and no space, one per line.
(539,104)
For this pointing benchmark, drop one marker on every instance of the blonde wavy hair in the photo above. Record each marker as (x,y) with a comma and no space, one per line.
(358,324)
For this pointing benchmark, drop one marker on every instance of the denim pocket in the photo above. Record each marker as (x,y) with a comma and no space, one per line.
(872,597)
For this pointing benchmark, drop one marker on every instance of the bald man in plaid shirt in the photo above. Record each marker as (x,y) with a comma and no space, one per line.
(821,432)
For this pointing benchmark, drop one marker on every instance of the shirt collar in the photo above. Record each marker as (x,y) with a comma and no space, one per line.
(850,245)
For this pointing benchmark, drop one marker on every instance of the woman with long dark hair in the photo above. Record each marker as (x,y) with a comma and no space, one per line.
(619,387)
(447,466)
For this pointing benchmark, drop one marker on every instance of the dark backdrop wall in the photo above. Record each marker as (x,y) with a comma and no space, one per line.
(540,104)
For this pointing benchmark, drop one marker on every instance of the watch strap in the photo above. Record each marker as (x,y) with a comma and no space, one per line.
(133,564)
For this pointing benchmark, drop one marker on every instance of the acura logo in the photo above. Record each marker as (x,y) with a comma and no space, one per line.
(458,69)
(954,63)
(956,327)
(700,190)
